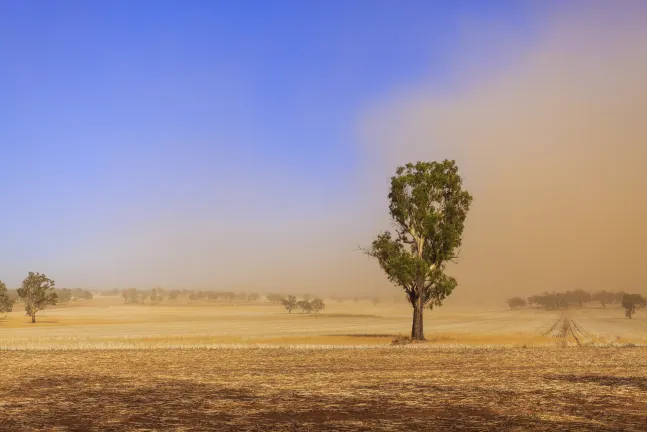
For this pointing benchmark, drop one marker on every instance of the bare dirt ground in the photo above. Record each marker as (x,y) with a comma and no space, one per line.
(252,389)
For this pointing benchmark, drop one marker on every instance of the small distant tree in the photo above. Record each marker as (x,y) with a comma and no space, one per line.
(275,298)
(516,302)
(64,294)
(253,297)
(375,301)
(6,302)
(305,306)
(632,304)
(355,299)
(37,292)
(131,295)
(173,295)
(289,303)
(579,297)
(619,296)
(145,296)
(153,295)
(604,297)
(317,305)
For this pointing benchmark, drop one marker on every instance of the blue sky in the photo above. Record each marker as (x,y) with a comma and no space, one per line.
(117,116)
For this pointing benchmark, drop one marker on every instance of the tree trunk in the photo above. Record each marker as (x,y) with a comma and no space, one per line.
(33,318)
(417,332)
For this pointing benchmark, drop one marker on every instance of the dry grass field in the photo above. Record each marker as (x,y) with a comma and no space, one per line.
(254,389)
(102,365)
(107,323)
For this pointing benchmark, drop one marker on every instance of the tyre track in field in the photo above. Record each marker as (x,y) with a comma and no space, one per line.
(567,332)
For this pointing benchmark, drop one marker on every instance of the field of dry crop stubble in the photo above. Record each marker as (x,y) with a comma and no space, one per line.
(255,389)
(107,323)
(107,366)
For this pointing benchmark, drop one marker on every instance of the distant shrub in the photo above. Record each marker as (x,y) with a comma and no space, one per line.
(632,304)
(305,306)
(275,298)
(516,302)
(289,303)
(604,297)
(317,305)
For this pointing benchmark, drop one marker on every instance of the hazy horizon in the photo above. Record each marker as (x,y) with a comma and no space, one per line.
(207,146)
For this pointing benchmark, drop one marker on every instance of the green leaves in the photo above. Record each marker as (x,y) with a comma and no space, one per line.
(6,303)
(37,292)
(428,206)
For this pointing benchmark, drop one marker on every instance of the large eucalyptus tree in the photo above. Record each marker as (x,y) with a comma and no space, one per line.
(428,206)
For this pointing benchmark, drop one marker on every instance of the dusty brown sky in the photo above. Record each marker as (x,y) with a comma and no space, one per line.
(553,149)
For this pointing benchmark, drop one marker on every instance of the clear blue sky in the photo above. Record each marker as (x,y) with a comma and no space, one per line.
(118,113)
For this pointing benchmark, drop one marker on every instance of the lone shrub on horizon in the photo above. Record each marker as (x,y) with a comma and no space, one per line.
(428,207)
(37,292)
(517,302)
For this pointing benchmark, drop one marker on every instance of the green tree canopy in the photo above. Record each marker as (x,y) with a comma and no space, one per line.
(37,292)
(6,302)
(428,207)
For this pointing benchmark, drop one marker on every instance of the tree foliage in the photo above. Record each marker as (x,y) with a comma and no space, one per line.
(317,305)
(516,302)
(275,298)
(37,292)
(305,306)
(289,303)
(604,297)
(6,302)
(428,206)
(632,304)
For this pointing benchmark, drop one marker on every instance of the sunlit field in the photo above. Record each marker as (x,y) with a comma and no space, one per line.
(251,389)
(103,365)
(105,322)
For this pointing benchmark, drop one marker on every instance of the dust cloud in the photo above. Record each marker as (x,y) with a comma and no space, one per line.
(553,149)
(551,142)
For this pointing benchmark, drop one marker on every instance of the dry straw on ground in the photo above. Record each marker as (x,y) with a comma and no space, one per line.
(326,389)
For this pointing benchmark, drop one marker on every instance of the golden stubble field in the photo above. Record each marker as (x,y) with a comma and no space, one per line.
(256,389)
(107,323)
(105,366)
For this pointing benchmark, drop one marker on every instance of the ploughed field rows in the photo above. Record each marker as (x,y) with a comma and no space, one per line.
(568,332)
(550,389)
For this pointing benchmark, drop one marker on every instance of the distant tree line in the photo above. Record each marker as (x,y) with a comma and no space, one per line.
(67,294)
(314,306)
(563,300)
(157,295)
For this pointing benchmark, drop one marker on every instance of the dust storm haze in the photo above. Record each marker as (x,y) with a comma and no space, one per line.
(553,149)
(550,142)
